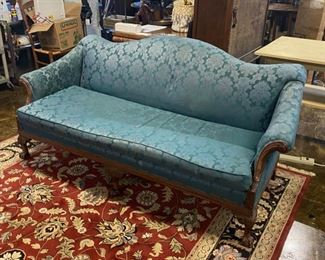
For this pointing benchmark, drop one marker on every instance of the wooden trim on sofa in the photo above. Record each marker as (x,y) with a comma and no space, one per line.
(258,167)
(29,97)
(271,147)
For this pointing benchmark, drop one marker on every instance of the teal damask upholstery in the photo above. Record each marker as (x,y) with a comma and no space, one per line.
(212,149)
(57,75)
(187,76)
(288,106)
(179,108)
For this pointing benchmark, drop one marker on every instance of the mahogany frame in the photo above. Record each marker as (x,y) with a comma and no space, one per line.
(246,214)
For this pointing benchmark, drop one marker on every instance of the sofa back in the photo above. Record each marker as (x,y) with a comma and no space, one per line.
(187,76)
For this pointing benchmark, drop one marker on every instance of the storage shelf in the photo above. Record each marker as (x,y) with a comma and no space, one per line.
(22,47)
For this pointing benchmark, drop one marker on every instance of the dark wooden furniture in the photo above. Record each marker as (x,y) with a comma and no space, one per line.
(281,15)
(232,25)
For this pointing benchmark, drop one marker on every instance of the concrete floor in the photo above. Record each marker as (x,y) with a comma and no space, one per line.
(304,243)
(312,209)
(311,212)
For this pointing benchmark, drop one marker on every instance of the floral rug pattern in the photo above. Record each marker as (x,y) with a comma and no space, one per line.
(60,206)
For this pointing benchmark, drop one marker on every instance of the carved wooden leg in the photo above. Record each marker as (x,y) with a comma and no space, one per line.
(66,154)
(113,172)
(115,175)
(22,140)
(249,223)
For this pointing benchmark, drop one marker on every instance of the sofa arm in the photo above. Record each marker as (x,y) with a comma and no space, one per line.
(281,133)
(56,76)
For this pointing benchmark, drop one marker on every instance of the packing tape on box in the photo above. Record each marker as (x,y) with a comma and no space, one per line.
(128,27)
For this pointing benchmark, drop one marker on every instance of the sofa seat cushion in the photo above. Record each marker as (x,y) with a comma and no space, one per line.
(215,153)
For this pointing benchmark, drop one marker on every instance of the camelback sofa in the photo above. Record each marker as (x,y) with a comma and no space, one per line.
(178,111)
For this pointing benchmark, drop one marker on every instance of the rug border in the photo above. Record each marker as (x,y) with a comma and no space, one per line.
(285,232)
(8,137)
(295,170)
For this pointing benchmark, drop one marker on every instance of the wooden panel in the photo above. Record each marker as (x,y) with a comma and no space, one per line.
(212,22)
(247,29)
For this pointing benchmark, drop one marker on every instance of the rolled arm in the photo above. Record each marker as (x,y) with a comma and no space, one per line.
(281,133)
(56,76)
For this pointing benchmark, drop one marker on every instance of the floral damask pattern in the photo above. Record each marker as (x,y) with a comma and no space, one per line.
(62,74)
(193,107)
(170,73)
(167,74)
(203,149)
(285,120)
(59,215)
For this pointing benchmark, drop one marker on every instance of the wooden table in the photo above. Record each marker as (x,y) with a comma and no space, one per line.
(310,53)
(123,36)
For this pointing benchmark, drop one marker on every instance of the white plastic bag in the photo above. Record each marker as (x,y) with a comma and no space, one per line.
(4,11)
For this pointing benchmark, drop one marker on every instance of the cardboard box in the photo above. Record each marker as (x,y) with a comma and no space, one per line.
(310,22)
(61,34)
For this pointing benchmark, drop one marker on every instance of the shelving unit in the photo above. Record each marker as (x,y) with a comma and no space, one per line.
(5,78)
(12,50)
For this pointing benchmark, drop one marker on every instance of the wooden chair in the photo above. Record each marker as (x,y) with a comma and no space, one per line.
(42,57)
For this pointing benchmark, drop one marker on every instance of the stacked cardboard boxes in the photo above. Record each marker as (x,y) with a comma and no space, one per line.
(58,26)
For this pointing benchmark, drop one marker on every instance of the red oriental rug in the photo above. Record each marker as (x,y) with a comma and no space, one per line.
(60,206)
